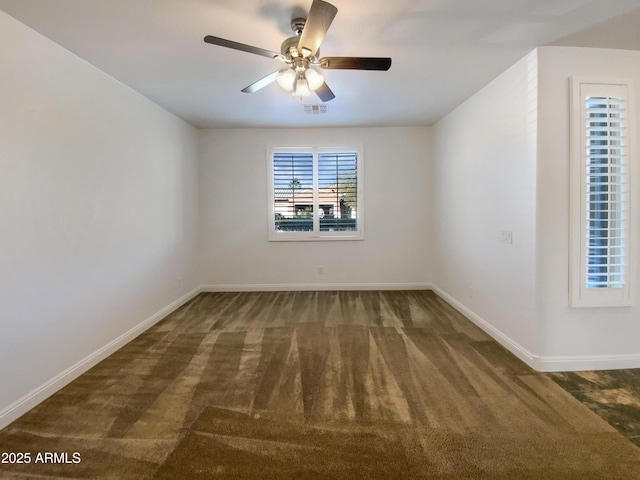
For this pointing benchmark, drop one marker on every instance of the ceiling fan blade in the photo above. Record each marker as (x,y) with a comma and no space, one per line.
(263,82)
(315,28)
(239,46)
(325,93)
(355,63)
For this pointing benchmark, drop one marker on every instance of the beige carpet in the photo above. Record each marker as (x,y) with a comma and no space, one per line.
(329,385)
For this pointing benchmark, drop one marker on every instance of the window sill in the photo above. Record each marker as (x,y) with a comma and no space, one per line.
(275,237)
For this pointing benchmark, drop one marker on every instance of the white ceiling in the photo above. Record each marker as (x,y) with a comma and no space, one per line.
(443,51)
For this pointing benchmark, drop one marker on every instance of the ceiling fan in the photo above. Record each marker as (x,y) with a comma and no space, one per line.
(300,54)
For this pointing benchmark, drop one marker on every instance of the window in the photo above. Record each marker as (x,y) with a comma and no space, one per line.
(315,194)
(601,207)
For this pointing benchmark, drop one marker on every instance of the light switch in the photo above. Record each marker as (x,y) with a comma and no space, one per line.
(506,236)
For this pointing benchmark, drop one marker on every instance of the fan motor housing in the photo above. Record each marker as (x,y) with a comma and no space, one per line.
(289,49)
(286,46)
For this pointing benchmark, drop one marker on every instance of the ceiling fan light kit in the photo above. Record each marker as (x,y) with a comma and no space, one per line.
(286,79)
(300,53)
(301,89)
(314,78)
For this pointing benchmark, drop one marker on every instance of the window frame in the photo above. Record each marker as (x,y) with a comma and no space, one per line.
(579,294)
(316,234)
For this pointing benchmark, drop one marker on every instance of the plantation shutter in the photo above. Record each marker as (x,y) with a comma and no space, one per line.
(293,191)
(315,193)
(338,191)
(606,182)
(601,211)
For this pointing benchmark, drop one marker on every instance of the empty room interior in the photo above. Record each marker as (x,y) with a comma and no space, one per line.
(320,240)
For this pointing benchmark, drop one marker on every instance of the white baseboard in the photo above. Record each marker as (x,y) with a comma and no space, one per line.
(295,287)
(514,347)
(33,398)
(543,363)
(593,362)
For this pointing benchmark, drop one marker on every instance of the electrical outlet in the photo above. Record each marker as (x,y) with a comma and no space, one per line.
(320,270)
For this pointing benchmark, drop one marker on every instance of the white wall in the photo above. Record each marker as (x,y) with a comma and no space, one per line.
(484,183)
(576,338)
(236,252)
(98,214)
(501,162)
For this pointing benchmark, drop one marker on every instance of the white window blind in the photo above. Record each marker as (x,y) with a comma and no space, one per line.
(606,201)
(601,201)
(293,191)
(315,194)
(338,192)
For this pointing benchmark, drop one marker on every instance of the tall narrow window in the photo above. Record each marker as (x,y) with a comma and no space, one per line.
(601,201)
(315,194)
